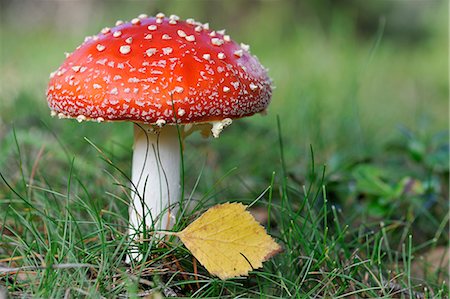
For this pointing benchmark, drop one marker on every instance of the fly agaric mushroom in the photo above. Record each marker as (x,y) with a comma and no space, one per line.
(159,72)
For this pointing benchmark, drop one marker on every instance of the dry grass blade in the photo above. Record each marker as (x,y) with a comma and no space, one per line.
(8,270)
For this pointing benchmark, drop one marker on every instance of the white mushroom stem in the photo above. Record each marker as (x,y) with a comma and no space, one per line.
(156,178)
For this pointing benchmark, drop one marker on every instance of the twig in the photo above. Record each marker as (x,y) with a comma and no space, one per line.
(7,270)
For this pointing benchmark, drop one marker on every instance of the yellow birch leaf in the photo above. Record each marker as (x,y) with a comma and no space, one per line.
(228,241)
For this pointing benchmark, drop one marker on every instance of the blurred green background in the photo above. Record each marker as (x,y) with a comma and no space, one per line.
(351,78)
(364,83)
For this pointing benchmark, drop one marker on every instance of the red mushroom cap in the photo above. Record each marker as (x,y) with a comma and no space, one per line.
(148,68)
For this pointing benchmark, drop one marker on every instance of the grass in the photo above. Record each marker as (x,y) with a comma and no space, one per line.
(352,177)
(74,240)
